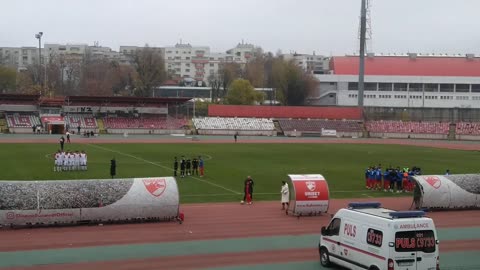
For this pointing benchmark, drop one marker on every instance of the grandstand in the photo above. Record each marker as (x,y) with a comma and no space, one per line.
(121,114)
(233,125)
(401,129)
(315,127)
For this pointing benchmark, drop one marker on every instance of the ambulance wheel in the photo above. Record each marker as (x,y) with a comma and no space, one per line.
(324,257)
(373,268)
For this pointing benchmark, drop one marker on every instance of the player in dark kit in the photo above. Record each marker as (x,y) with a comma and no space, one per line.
(189,167)
(113,168)
(195,166)
(182,167)
(175,166)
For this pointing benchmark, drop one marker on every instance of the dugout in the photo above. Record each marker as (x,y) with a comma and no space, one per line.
(447,192)
(88,201)
(309,195)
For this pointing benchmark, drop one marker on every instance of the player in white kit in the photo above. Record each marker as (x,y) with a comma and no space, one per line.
(83,161)
(57,166)
(76,161)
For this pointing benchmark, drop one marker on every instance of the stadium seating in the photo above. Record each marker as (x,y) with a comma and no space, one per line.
(22,120)
(468,128)
(318,125)
(84,121)
(143,123)
(352,113)
(407,127)
(229,123)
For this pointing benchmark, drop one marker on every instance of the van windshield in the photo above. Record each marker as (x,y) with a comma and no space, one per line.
(408,241)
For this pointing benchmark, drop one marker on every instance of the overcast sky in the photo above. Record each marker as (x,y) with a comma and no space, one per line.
(327,27)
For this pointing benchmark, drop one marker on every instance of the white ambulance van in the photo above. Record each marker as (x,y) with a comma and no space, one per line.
(367,236)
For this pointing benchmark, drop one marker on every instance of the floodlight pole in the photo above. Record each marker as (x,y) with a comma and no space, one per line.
(39,37)
(361,73)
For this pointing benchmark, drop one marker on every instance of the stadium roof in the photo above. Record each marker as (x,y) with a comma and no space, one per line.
(121,99)
(408,66)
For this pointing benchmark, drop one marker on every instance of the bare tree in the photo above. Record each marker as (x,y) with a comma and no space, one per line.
(150,68)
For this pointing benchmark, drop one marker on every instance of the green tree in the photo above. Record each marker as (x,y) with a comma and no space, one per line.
(292,83)
(8,78)
(150,68)
(241,92)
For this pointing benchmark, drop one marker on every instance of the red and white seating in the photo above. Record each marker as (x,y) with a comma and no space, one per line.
(143,123)
(407,127)
(22,120)
(231,123)
(468,128)
(84,121)
(318,125)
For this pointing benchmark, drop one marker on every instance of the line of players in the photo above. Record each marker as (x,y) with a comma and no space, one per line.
(70,161)
(189,167)
(401,179)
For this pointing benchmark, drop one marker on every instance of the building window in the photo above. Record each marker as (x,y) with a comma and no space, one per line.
(475,88)
(187,70)
(431,87)
(187,58)
(211,64)
(370,86)
(446,87)
(353,86)
(462,88)
(399,87)
(384,87)
(415,87)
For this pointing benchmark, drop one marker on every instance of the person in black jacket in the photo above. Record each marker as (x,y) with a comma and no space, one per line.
(195,166)
(113,168)
(175,166)
(182,167)
(248,189)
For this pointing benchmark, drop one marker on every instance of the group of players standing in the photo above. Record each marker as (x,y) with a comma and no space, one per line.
(70,161)
(391,178)
(188,166)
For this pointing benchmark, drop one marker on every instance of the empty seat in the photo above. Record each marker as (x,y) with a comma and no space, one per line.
(317,125)
(233,123)
(408,127)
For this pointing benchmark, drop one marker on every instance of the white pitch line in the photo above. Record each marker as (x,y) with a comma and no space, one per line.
(165,167)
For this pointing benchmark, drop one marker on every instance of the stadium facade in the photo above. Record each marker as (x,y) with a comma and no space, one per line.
(405,81)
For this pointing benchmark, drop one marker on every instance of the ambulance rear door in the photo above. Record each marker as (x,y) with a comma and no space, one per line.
(415,245)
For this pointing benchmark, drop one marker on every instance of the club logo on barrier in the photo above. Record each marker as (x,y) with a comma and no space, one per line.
(156,187)
(434,181)
(10,215)
(311,185)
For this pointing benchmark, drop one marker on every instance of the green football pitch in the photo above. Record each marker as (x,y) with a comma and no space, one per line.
(227,165)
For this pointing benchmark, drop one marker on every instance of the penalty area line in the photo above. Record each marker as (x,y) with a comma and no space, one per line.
(162,166)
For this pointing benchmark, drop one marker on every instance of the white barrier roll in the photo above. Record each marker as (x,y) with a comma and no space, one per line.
(71,201)
(311,194)
(447,192)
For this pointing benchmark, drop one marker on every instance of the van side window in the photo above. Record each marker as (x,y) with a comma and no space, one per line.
(334,227)
(374,237)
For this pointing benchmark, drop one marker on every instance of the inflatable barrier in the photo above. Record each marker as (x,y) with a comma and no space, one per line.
(88,201)
(310,195)
(460,191)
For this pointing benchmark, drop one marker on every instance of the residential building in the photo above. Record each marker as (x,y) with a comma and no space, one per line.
(312,63)
(19,57)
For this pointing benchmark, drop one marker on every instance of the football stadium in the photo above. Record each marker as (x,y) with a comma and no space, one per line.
(414,117)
